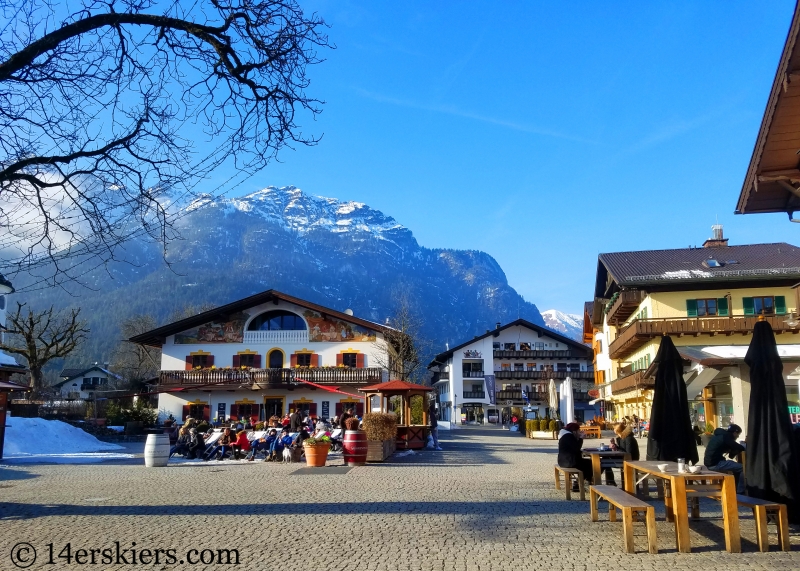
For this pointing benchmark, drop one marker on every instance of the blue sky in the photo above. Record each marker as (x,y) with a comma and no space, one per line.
(544,133)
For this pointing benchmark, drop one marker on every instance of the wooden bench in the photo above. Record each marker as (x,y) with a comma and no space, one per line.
(591,431)
(568,473)
(760,510)
(627,504)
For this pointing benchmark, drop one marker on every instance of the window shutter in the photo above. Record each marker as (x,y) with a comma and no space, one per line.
(339,359)
(186,412)
(293,360)
(338,409)
(780,305)
(257,361)
(236,361)
(360,360)
(261,412)
(691,307)
(312,409)
(210,361)
(722,306)
(188,362)
(360,409)
(749,308)
(234,412)
(207,413)
(315,360)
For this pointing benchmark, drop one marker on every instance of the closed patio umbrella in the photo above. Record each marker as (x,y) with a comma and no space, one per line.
(552,396)
(671,436)
(567,402)
(773,464)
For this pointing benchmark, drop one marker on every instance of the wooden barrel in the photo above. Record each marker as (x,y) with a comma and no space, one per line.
(354,447)
(156,450)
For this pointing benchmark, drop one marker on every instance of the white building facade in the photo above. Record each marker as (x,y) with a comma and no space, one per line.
(507,371)
(267,355)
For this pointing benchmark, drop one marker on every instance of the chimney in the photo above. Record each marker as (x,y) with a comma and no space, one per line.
(497,325)
(717,241)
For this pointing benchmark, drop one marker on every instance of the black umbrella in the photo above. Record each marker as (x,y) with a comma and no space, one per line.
(670,436)
(773,464)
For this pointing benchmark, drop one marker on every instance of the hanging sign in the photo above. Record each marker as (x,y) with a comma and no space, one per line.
(326,409)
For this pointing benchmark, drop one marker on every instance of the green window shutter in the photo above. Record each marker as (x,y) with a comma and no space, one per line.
(780,305)
(749,308)
(691,307)
(722,306)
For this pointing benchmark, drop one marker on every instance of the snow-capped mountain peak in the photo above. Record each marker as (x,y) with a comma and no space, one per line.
(569,324)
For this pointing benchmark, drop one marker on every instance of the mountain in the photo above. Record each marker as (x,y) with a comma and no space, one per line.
(335,253)
(569,324)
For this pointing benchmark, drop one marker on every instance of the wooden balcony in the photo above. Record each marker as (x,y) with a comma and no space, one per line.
(474,395)
(270,378)
(537,354)
(632,382)
(444,375)
(624,305)
(544,375)
(641,331)
(515,394)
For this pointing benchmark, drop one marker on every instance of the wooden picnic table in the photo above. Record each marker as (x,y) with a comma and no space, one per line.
(687,485)
(602,459)
(591,431)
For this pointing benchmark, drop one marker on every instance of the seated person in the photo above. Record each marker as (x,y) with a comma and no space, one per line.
(241,444)
(264,443)
(276,450)
(182,443)
(569,452)
(625,442)
(222,446)
(196,444)
(724,442)
(302,435)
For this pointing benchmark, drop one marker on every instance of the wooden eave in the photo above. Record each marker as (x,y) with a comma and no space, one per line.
(773,175)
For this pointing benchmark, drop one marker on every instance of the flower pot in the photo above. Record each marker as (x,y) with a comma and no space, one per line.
(316,454)
(354,447)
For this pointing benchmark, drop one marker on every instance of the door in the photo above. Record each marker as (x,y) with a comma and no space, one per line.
(276,359)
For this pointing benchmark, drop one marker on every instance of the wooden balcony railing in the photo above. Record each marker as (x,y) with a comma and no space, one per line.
(272,377)
(472,374)
(631,382)
(640,331)
(474,395)
(543,375)
(539,354)
(624,305)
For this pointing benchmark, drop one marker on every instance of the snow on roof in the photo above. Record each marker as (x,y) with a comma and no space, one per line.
(8,360)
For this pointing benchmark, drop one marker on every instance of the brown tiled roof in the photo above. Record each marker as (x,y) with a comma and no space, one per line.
(753,262)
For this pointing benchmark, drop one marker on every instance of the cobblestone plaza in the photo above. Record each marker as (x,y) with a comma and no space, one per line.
(487,502)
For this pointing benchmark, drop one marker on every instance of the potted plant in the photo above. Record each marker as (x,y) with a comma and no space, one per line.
(316,451)
(381,432)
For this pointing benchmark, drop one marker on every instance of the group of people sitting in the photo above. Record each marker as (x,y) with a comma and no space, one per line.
(235,442)
(570,455)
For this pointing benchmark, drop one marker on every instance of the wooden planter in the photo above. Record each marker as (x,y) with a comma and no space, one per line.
(316,454)
(380,450)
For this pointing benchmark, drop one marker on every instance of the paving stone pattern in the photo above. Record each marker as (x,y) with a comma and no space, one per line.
(486,502)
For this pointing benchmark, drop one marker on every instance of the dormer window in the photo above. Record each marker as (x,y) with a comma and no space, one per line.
(712,263)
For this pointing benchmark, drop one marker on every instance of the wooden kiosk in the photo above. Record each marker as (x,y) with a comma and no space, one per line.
(409,435)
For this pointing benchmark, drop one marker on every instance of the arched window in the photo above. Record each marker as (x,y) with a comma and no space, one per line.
(277,320)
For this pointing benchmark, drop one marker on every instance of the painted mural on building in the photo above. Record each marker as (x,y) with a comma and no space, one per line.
(230,331)
(327,329)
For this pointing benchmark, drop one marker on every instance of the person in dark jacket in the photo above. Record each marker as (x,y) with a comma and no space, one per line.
(724,442)
(569,452)
(182,443)
(626,442)
(295,421)
(196,444)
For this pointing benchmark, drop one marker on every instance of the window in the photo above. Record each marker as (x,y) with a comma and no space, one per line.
(531,366)
(304,359)
(348,359)
(510,346)
(706,307)
(518,367)
(574,367)
(472,369)
(539,346)
(248,360)
(524,346)
(200,361)
(561,366)
(277,320)
(764,305)
(496,346)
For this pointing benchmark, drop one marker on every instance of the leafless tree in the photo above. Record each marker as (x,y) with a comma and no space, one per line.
(406,345)
(112,111)
(41,336)
(136,363)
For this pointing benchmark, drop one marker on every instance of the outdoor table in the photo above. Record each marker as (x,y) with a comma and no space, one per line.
(602,459)
(686,485)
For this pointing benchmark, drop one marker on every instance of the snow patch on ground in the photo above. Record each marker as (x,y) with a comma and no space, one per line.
(40,440)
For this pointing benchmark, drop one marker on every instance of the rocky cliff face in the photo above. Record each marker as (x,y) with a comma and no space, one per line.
(338,254)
